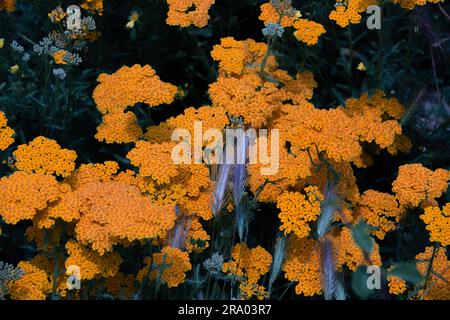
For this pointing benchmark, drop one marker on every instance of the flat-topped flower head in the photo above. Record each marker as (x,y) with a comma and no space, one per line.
(438,223)
(417,185)
(43,155)
(6,133)
(25,194)
(184,13)
(125,88)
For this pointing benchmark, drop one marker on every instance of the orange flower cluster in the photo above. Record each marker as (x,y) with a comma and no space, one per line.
(332,131)
(195,178)
(119,127)
(401,144)
(159,133)
(250,264)
(234,55)
(249,85)
(184,13)
(45,156)
(93,6)
(170,265)
(45,233)
(6,133)
(298,210)
(294,167)
(346,186)
(350,254)
(93,172)
(24,194)
(8,5)
(283,15)
(92,201)
(126,87)
(59,56)
(308,134)
(209,118)
(91,264)
(190,189)
(199,205)
(308,31)
(131,85)
(248,96)
(154,160)
(438,223)
(303,265)
(380,210)
(340,132)
(197,239)
(396,285)
(249,290)
(411,4)
(34,285)
(93,197)
(100,209)
(186,185)
(350,11)
(417,185)
(438,284)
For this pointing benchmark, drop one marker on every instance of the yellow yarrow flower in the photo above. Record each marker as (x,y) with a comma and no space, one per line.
(57,15)
(134,17)
(59,56)
(361,67)
(14,69)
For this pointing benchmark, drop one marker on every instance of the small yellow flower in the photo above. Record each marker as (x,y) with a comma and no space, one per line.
(14,69)
(298,14)
(57,15)
(361,67)
(134,17)
(2,42)
(59,56)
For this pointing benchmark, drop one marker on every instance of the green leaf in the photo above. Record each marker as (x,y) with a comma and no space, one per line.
(361,235)
(105,296)
(359,283)
(407,271)
(205,32)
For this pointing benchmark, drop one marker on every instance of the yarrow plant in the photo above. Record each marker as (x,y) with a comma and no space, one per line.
(188,149)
